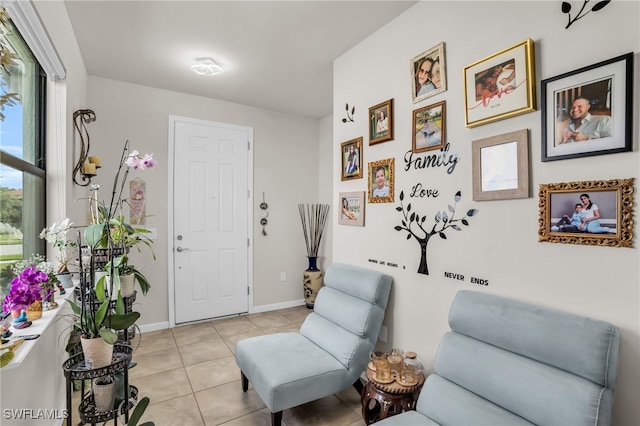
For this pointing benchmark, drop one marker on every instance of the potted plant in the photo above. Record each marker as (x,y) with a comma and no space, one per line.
(100,317)
(47,287)
(104,393)
(25,290)
(56,234)
(110,231)
(98,328)
(125,275)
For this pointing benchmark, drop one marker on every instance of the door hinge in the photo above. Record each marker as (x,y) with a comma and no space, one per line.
(248,193)
(249,145)
(248,244)
(248,290)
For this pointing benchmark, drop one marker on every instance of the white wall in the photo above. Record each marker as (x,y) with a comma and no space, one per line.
(501,244)
(285,169)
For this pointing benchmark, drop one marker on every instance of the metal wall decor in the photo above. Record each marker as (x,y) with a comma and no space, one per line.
(86,166)
(263,220)
(349,115)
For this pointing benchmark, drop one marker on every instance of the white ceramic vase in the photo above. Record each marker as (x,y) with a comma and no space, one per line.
(104,393)
(127,283)
(65,280)
(97,352)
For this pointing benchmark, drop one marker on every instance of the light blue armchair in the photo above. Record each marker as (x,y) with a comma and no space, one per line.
(511,363)
(331,350)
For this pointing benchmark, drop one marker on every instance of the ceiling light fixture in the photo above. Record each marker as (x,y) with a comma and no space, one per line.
(206,66)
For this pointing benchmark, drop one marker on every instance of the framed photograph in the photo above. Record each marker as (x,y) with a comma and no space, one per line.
(501,166)
(500,86)
(381,122)
(428,75)
(588,111)
(351,208)
(428,130)
(588,212)
(381,181)
(351,159)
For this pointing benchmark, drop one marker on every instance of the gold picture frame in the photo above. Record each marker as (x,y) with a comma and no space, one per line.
(501,85)
(351,153)
(381,186)
(352,208)
(501,166)
(613,228)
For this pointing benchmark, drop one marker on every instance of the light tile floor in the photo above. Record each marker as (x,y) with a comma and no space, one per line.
(190,376)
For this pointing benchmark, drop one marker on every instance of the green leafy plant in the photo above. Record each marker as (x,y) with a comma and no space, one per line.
(103,322)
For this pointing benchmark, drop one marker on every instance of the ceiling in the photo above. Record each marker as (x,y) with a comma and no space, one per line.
(276,54)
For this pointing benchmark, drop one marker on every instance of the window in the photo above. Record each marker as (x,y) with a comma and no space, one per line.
(22,162)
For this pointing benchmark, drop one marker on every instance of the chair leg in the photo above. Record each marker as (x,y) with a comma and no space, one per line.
(245,382)
(276,419)
(359,387)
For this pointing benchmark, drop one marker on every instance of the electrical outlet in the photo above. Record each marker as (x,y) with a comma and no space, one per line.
(382,336)
(283,276)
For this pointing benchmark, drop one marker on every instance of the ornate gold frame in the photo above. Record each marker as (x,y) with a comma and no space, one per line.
(624,191)
(388,165)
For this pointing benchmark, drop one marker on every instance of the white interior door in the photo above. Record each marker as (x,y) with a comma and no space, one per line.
(211,229)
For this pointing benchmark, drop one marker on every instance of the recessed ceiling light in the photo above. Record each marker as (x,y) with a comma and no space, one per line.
(206,66)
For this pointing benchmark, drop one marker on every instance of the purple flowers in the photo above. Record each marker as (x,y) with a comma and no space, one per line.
(25,289)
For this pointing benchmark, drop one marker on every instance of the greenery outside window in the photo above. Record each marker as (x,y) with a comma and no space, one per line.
(22,162)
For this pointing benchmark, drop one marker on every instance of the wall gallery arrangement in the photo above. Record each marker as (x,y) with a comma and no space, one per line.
(585,112)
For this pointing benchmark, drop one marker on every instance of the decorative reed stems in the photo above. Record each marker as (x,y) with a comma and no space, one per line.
(314,218)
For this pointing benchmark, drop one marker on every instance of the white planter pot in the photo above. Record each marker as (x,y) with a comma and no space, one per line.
(65,280)
(104,394)
(97,352)
(127,283)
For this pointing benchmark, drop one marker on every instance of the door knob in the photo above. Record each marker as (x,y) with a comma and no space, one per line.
(181,249)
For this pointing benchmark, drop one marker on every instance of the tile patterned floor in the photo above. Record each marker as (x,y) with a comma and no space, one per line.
(189,374)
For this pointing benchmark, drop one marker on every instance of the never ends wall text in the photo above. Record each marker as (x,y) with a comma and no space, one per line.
(459,277)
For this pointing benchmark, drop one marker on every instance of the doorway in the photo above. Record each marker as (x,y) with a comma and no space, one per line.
(210,218)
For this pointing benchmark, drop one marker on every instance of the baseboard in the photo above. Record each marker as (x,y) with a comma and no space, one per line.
(154,327)
(276,306)
(255,310)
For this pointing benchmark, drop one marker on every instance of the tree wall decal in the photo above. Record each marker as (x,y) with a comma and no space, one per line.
(413,223)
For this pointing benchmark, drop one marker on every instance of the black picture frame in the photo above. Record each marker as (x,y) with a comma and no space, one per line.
(607,89)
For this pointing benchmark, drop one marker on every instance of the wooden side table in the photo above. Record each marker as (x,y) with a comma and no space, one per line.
(382,400)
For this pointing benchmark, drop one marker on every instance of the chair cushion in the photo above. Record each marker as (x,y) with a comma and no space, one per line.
(447,403)
(350,279)
(581,345)
(287,369)
(517,383)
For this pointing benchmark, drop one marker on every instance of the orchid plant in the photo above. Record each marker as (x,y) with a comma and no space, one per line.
(26,288)
(37,261)
(56,234)
(109,230)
